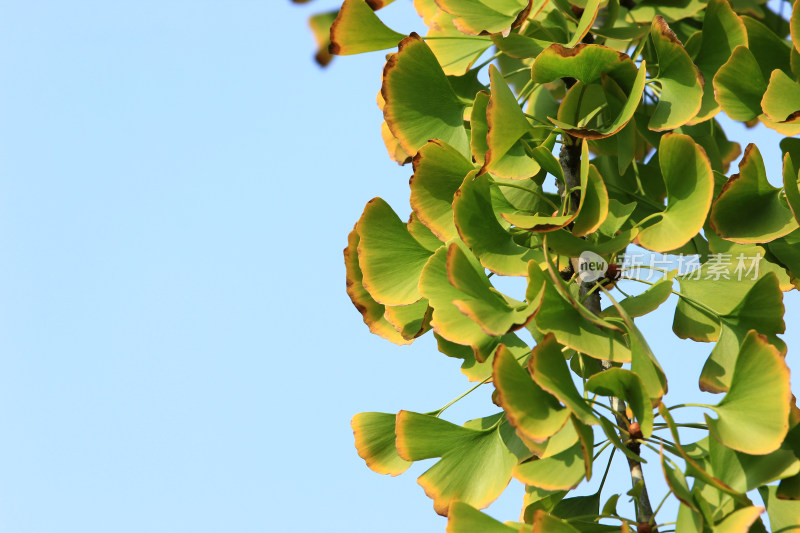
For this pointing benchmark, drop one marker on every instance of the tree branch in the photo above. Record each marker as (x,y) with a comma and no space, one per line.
(570,160)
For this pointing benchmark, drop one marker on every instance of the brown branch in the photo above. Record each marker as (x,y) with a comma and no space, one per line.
(570,160)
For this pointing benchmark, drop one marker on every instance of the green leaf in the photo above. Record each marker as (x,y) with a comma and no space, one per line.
(784,516)
(794,28)
(479,127)
(475,465)
(781,101)
(464,518)
(494,313)
(455,53)
(585,23)
(439,170)
(644,303)
(535,414)
(753,414)
(761,310)
(321,29)
(672,10)
(375,443)
(480,229)
(681,82)
(722,32)
(506,155)
(770,51)
(475,17)
(690,188)
(391,259)
(566,244)
(791,184)
(547,523)
(572,329)
(586,63)
(739,521)
(358,29)
(564,470)
(677,483)
(593,205)
(420,102)
(767,215)
(627,386)
(411,320)
(744,472)
(549,370)
(371,311)
(740,86)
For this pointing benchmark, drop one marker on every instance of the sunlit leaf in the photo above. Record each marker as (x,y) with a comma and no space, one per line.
(321,29)
(535,414)
(464,518)
(420,102)
(690,188)
(781,101)
(455,53)
(627,386)
(439,170)
(358,29)
(681,82)
(740,86)
(391,259)
(672,10)
(739,521)
(562,471)
(752,417)
(767,218)
(375,442)
(475,465)
(784,516)
(475,17)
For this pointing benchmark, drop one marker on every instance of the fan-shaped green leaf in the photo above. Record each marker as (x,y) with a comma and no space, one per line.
(565,243)
(627,386)
(753,414)
(391,259)
(681,82)
(410,320)
(475,465)
(690,188)
(781,101)
(768,216)
(646,302)
(479,127)
(593,206)
(739,85)
(479,228)
(375,437)
(358,29)
(549,370)
(535,414)
(455,53)
(494,313)
(564,470)
(784,516)
(506,155)
(672,10)
(722,31)
(586,63)
(439,170)
(794,27)
(464,518)
(739,521)
(791,184)
(572,329)
(371,311)
(476,17)
(761,309)
(771,52)
(420,102)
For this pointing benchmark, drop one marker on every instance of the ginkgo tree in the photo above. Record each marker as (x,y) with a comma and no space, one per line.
(590,128)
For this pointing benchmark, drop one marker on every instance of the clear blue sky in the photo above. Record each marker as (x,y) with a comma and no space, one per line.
(177,351)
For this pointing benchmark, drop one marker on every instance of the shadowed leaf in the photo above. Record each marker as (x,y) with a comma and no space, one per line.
(564,470)
(627,386)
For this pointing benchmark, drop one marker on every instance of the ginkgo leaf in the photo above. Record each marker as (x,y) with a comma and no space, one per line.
(794,27)
(781,101)
(375,442)
(739,85)
(681,82)
(391,260)
(476,17)
(644,12)
(564,470)
(420,102)
(791,185)
(739,521)
(784,516)
(475,464)
(627,386)
(546,523)
(494,313)
(506,156)
(752,417)
(439,170)
(677,483)
(572,329)
(535,413)
(463,518)
(690,188)
(371,311)
(585,23)
(321,29)
(455,53)
(410,320)
(479,228)
(479,127)
(549,370)
(593,207)
(646,302)
(722,31)
(768,216)
(357,29)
